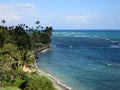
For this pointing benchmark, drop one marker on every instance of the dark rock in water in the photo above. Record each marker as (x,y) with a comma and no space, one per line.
(36,57)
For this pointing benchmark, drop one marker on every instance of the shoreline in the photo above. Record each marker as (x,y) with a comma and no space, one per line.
(58,85)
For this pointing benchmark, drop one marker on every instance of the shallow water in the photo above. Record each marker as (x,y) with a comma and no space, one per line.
(84,60)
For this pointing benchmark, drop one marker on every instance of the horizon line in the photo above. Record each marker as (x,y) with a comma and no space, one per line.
(86,29)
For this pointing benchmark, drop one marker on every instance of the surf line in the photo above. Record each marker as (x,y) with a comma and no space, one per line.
(58,85)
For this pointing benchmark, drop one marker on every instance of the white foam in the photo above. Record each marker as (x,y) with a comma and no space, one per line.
(96,36)
(115,41)
(54,80)
(70,46)
(108,64)
(115,46)
(45,50)
(82,36)
(107,39)
(68,34)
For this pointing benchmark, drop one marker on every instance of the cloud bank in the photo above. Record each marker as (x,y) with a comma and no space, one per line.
(26,13)
(18,13)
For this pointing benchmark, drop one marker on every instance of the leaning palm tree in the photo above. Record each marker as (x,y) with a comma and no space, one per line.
(3,21)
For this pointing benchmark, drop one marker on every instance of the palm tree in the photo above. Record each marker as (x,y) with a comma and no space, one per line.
(35,35)
(3,21)
(1,42)
(37,23)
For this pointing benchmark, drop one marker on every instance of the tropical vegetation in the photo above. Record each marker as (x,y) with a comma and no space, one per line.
(18,45)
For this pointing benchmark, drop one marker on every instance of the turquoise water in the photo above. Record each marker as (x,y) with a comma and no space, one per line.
(84,60)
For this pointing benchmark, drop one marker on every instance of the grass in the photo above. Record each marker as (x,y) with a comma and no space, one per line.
(10,88)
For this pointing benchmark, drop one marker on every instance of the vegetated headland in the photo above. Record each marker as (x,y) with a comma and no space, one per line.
(18,48)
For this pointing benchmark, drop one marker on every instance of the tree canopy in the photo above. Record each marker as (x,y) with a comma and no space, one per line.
(17,47)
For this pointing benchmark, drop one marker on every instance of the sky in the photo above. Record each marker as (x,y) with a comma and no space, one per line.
(62,14)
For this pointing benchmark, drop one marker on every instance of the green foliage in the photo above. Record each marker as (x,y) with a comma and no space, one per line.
(9,48)
(48,31)
(6,84)
(38,45)
(4,37)
(17,44)
(11,88)
(20,37)
(17,82)
(25,81)
(9,56)
(12,75)
(1,40)
(45,38)
(38,83)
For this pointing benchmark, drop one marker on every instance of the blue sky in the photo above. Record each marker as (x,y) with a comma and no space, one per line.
(63,14)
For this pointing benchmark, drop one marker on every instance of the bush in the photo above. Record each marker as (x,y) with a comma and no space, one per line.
(10,88)
(38,83)
(6,84)
(17,83)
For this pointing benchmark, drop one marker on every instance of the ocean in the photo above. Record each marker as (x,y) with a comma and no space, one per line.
(84,59)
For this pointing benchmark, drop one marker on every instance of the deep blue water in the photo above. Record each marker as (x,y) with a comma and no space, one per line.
(84,60)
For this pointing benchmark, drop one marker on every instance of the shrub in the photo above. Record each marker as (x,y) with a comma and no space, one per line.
(6,84)
(38,83)
(17,82)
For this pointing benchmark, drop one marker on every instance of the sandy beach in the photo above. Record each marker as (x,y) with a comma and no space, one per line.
(58,85)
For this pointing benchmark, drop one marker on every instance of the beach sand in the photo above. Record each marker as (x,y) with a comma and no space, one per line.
(58,85)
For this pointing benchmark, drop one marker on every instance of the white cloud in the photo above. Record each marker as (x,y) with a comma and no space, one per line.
(69,19)
(80,18)
(26,13)
(77,18)
(18,13)
(8,13)
(28,5)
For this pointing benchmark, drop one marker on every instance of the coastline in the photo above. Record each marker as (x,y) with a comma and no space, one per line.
(58,85)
